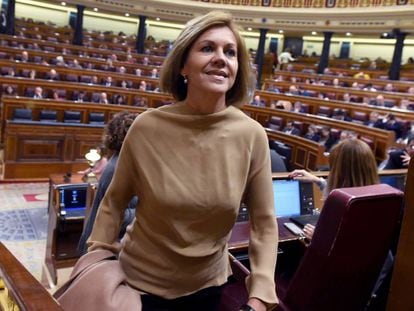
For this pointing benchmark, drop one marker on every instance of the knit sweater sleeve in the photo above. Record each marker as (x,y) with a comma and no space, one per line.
(111,210)
(263,223)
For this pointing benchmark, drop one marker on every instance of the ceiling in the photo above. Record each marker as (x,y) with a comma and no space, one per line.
(361,22)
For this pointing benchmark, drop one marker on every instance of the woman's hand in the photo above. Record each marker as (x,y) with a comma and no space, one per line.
(303,176)
(256,304)
(405,159)
(308,230)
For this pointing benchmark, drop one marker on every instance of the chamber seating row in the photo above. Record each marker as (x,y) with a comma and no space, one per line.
(19,69)
(374,74)
(398,86)
(336,92)
(66,48)
(379,140)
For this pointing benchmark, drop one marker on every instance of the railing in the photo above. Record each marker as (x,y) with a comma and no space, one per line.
(19,290)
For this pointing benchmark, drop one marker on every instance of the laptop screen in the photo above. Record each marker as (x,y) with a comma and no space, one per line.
(287,197)
(72,197)
(291,198)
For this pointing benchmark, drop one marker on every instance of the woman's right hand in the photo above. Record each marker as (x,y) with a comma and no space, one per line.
(308,230)
(303,175)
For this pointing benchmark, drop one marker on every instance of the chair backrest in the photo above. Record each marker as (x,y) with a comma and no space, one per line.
(348,249)
(48,116)
(275,123)
(22,114)
(96,118)
(360,117)
(72,78)
(72,116)
(324,111)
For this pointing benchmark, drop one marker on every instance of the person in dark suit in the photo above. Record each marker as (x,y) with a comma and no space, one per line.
(400,158)
(277,162)
(327,139)
(375,120)
(3,21)
(393,125)
(291,129)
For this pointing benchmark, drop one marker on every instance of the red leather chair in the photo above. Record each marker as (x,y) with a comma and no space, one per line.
(341,265)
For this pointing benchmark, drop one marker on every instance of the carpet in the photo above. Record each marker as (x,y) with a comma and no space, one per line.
(23,224)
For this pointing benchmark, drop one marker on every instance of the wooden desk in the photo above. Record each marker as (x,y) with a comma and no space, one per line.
(63,234)
(239,239)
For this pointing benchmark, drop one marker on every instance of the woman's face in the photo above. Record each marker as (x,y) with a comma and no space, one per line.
(212,63)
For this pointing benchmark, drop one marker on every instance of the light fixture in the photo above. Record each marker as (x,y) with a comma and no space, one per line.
(92,157)
(385,34)
(280,31)
(348,34)
(249,28)
(95,9)
(126,14)
(314,33)
(63,3)
(158,19)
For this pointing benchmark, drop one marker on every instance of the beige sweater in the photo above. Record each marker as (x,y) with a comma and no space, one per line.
(190,173)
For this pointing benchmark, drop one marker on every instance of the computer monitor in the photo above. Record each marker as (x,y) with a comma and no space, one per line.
(292,197)
(72,200)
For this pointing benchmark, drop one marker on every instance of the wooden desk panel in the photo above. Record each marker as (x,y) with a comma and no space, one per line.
(63,235)
(27,146)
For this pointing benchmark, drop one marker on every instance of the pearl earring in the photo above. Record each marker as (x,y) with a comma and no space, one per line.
(185,79)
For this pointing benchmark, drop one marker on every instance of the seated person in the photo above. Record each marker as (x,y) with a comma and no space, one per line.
(257,101)
(291,129)
(115,132)
(342,174)
(393,125)
(142,86)
(38,93)
(80,96)
(400,158)
(375,120)
(312,133)
(341,114)
(100,165)
(53,75)
(103,98)
(327,139)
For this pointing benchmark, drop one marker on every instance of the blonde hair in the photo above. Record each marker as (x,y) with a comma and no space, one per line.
(352,164)
(171,80)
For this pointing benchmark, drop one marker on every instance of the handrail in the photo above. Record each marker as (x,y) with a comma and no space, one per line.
(23,290)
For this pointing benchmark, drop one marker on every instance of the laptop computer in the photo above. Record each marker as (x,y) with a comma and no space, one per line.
(72,201)
(302,220)
(291,197)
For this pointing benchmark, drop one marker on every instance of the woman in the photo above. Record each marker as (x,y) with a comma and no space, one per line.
(191,164)
(352,164)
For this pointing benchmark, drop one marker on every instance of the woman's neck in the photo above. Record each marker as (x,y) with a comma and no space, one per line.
(206,104)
